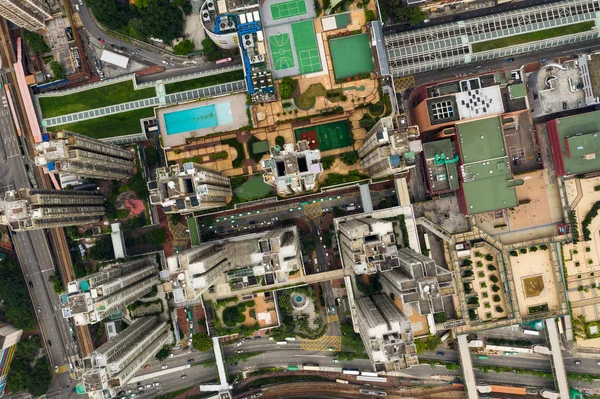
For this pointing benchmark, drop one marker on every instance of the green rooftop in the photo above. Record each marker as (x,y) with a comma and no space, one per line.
(481,139)
(517,91)
(489,186)
(582,133)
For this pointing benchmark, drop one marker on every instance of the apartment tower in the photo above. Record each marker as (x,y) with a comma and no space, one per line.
(9,338)
(31,209)
(99,295)
(73,154)
(113,364)
(28,14)
(191,188)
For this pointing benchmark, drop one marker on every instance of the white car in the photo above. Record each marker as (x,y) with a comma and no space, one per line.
(239,343)
(156,383)
(183,376)
(164,367)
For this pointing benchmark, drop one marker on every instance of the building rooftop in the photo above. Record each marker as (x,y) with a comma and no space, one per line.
(489,186)
(479,102)
(575,143)
(442,165)
(481,139)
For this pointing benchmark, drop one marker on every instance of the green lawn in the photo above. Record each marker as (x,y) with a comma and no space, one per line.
(255,187)
(193,227)
(204,81)
(117,93)
(532,36)
(109,126)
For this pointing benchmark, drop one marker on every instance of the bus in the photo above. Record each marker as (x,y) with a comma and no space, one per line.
(293,368)
(531,332)
(482,357)
(223,60)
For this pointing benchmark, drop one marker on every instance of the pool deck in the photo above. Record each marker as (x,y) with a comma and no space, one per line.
(238,108)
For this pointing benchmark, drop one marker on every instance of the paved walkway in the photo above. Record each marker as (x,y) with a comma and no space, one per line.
(204,92)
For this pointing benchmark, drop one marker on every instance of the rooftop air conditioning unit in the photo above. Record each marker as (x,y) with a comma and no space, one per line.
(210,5)
(205,17)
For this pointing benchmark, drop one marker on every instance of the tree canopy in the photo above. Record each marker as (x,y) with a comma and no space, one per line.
(57,70)
(398,13)
(202,342)
(351,341)
(185,6)
(163,354)
(102,250)
(147,18)
(13,292)
(27,372)
(184,47)
(287,87)
(211,51)
(36,42)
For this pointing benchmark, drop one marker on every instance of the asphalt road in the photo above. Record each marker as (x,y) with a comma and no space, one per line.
(502,63)
(35,259)
(481,12)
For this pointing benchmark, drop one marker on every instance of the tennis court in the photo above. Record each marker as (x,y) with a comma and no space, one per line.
(328,136)
(351,55)
(281,51)
(306,46)
(288,9)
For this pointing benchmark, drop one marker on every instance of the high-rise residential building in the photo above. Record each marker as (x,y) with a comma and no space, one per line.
(28,14)
(188,189)
(9,338)
(30,209)
(368,245)
(388,149)
(73,154)
(271,254)
(295,168)
(419,282)
(113,364)
(99,295)
(386,333)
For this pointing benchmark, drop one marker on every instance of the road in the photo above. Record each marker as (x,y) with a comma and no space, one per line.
(481,12)
(271,355)
(502,63)
(36,260)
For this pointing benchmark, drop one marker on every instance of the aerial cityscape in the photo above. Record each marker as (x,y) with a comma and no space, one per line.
(240,199)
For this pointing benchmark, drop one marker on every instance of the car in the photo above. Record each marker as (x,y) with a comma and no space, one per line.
(49,343)
(240,351)
(147,366)
(156,383)
(440,353)
(456,17)
(331,349)
(38,309)
(426,20)
(239,343)
(598,363)
(543,60)
(148,386)
(190,360)
(252,222)
(183,376)
(138,51)
(66,387)
(30,284)
(257,337)
(164,367)
(140,388)
(577,362)
(56,369)
(335,360)
(510,60)
(133,395)
(565,106)
(128,391)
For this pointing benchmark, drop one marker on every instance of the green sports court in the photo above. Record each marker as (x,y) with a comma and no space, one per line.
(328,136)
(306,47)
(281,51)
(288,9)
(351,55)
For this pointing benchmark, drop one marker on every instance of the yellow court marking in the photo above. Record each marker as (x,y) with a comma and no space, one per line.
(323,343)
(312,211)
(405,82)
(332,318)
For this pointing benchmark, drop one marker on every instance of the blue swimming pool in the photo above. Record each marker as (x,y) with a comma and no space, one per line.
(198,118)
